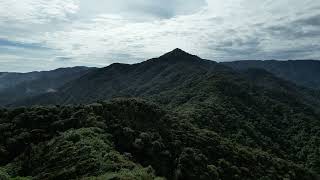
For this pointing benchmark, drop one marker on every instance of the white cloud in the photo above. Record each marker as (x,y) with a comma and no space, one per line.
(141,9)
(102,32)
(36,11)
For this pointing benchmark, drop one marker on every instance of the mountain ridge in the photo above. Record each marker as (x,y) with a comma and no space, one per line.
(16,86)
(301,72)
(141,73)
(178,108)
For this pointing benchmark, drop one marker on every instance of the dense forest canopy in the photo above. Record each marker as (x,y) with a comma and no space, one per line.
(173,117)
(119,138)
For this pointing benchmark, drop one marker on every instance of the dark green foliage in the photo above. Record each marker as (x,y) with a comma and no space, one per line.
(108,140)
(76,153)
(192,164)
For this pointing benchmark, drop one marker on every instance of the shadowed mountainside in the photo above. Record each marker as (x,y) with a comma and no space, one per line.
(301,72)
(17,86)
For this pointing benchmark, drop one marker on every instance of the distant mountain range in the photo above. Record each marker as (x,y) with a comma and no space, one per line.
(302,72)
(68,86)
(12,79)
(253,120)
(17,86)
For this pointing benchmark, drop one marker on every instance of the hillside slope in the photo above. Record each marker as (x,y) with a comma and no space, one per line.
(301,72)
(18,86)
(143,79)
(252,108)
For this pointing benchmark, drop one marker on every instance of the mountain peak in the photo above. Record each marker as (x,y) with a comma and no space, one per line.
(178,50)
(179,54)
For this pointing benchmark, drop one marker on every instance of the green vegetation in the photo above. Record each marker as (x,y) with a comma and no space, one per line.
(194,119)
(117,139)
(84,152)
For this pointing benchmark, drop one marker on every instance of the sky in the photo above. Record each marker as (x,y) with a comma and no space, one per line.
(47,34)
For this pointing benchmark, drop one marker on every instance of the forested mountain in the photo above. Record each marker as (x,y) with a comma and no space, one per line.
(18,86)
(302,72)
(199,120)
(143,79)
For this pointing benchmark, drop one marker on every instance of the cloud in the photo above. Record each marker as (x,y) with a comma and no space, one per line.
(36,11)
(306,27)
(16,44)
(310,21)
(141,9)
(97,33)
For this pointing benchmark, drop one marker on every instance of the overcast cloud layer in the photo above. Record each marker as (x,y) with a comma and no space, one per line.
(47,34)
